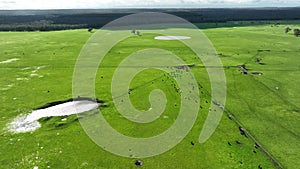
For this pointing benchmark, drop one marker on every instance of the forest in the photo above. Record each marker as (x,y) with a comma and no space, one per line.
(48,20)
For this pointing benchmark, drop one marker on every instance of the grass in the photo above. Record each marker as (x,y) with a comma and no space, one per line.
(252,23)
(267,105)
(268,113)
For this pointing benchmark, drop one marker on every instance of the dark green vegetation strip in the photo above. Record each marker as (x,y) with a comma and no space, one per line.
(47,20)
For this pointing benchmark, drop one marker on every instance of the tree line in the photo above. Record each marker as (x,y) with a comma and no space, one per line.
(40,26)
(74,19)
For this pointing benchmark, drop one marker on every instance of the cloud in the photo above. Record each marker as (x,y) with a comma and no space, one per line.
(67,4)
(8,2)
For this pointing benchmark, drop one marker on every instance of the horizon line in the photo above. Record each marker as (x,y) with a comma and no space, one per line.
(104,8)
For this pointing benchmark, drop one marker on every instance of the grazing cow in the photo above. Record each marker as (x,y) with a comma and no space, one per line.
(297,32)
(242,130)
(257,73)
(138,163)
(287,29)
(243,69)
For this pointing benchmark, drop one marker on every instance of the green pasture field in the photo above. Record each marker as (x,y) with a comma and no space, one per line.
(267,106)
(230,24)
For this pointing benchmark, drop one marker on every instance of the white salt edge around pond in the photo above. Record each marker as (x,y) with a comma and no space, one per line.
(172,37)
(10,60)
(27,123)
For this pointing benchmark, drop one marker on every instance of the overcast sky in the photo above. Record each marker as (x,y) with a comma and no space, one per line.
(83,4)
